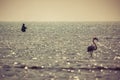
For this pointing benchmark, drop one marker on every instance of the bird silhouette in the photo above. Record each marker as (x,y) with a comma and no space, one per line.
(23,29)
(93,47)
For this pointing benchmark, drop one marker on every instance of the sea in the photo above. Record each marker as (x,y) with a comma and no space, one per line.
(58,51)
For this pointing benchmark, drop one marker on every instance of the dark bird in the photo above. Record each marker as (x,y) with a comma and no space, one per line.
(93,47)
(23,29)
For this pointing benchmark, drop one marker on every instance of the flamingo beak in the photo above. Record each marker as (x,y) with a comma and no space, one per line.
(97,39)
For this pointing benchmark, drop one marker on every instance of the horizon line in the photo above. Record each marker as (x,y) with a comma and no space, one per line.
(63,21)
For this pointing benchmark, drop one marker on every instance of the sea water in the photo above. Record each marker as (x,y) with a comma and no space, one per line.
(58,51)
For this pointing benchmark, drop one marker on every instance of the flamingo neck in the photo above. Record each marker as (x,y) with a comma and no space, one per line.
(94,44)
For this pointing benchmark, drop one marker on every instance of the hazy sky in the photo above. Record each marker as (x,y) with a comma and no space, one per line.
(59,10)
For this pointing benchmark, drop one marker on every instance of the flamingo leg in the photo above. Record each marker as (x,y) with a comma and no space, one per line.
(91,54)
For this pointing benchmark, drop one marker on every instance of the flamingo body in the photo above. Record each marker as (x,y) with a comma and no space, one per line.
(91,48)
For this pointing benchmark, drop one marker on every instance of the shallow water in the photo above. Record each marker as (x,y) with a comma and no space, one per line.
(58,51)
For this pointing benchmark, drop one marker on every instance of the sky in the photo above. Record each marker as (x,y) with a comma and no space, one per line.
(59,10)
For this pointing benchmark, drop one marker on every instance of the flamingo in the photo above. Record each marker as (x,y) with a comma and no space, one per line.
(93,47)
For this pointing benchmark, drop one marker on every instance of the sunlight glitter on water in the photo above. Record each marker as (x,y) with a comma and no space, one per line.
(116,58)
(34,58)
(58,52)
